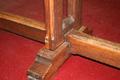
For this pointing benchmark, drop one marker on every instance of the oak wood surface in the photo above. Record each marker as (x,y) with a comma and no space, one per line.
(95,48)
(52,32)
(23,26)
(22,20)
(48,62)
(54,17)
(75,10)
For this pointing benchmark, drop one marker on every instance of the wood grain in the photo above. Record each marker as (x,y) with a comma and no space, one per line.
(95,48)
(48,62)
(54,16)
(23,26)
(75,10)
(22,20)
(73,19)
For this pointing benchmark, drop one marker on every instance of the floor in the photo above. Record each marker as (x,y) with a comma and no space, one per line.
(18,53)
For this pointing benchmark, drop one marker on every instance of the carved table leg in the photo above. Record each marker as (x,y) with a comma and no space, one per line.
(47,62)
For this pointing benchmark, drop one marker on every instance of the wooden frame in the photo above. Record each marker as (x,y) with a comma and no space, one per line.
(61,37)
(95,48)
(23,26)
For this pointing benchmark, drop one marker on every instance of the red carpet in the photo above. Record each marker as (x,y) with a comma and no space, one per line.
(17,53)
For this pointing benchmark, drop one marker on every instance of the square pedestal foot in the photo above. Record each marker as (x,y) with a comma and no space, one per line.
(48,62)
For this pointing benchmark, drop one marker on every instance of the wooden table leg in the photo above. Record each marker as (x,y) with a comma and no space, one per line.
(48,62)
(56,49)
